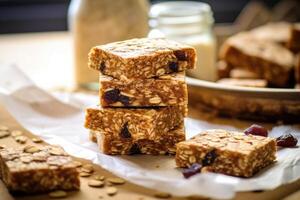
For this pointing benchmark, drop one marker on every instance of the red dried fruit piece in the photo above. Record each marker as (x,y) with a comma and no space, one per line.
(180,55)
(209,158)
(125,132)
(173,66)
(192,170)
(102,67)
(112,96)
(255,129)
(286,140)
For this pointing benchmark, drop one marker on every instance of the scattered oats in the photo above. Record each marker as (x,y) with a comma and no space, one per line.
(4,134)
(31,149)
(162,195)
(84,174)
(26,159)
(99,178)
(116,181)
(88,168)
(58,194)
(4,128)
(111,191)
(155,100)
(37,140)
(95,183)
(16,133)
(21,139)
(56,152)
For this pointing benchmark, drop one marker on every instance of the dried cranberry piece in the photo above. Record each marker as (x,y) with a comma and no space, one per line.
(286,140)
(124,100)
(173,66)
(135,149)
(102,67)
(192,170)
(180,55)
(209,158)
(112,96)
(255,129)
(125,132)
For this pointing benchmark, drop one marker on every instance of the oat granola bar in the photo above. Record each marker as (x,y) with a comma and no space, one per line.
(166,90)
(227,152)
(138,123)
(142,58)
(109,144)
(34,169)
(269,60)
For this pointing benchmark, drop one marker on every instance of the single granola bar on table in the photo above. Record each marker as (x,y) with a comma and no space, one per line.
(227,152)
(34,169)
(138,123)
(142,58)
(126,145)
(268,60)
(166,90)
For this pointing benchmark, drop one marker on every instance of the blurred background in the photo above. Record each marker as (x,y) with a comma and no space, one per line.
(18,16)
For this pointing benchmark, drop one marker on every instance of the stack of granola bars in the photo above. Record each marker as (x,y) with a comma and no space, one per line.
(143,96)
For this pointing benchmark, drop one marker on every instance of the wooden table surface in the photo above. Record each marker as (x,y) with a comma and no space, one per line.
(47,59)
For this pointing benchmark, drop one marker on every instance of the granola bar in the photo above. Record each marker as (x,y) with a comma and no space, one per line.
(166,90)
(269,60)
(137,123)
(142,58)
(34,169)
(227,152)
(109,144)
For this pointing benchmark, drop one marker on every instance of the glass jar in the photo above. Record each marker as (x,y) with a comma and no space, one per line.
(96,22)
(190,23)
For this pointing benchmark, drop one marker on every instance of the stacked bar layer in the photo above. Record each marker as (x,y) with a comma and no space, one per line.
(135,123)
(166,90)
(112,144)
(141,58)
(227,152)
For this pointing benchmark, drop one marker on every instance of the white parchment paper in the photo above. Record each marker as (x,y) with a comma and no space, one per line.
(59,118)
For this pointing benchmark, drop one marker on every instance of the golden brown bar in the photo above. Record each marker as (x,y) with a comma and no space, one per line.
(269,60)
(227,152)
(34,169)
(142,58)
(109,144)
(166,90)
(137,123)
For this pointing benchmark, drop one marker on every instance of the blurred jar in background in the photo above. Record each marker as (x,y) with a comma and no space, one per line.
(96,22)
(190,23)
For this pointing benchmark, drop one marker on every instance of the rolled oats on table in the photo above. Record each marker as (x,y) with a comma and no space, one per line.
(227,152)
(166,90)
(136,123)
(142,58)
(35,169)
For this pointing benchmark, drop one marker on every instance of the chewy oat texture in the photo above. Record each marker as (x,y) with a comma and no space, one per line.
(138,123)
(142,58)
(227,152)
(270,61)
(126,145)
(34,169)
(166,90)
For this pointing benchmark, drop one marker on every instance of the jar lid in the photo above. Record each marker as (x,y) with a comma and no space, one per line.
(180,12)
